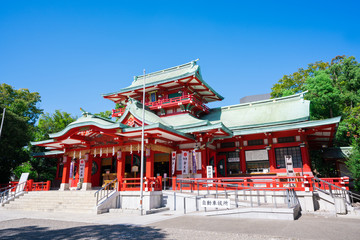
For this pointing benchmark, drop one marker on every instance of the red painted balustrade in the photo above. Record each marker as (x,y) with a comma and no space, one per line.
(298,183)
(30,186)
(133,184)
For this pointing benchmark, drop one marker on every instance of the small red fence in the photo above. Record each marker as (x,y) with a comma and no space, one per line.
(299,183)
(133,184)
(30,186)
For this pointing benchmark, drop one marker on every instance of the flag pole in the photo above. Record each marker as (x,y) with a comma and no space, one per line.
(2,121)
(142,148)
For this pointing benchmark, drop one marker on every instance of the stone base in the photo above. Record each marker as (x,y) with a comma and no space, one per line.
(86,186)
(64,186)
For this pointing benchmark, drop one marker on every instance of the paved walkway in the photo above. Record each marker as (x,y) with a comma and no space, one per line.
(168,225)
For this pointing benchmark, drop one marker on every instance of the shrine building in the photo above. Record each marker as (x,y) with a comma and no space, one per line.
(183,135)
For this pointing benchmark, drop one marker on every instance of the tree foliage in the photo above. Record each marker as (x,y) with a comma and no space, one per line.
(334,90)
(44,168)
(20,117)
(52,123)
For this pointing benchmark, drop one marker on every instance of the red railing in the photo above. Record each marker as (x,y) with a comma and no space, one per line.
(169,102)
(299,183)
(133,184)
(118,112)
(30,186)
(190,98)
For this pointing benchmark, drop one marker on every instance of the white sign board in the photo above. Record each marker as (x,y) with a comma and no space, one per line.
(209,172)
(81,168)
(215,202)
(173,159)
(289,165)
(185,158)
(22,182)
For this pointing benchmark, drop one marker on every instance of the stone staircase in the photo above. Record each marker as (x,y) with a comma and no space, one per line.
(55,201)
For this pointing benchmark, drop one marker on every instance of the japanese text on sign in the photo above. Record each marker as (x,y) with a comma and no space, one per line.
(215,203)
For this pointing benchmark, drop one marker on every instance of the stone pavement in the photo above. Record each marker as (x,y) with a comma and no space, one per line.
(168,225)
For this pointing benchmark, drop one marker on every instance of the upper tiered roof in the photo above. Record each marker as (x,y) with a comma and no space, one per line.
(186,75)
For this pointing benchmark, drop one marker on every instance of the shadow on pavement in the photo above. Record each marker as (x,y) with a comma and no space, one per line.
(82,232)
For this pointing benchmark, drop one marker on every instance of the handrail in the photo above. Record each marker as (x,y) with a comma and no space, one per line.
(11,193)
(340,191)
(289,195)
(102,190)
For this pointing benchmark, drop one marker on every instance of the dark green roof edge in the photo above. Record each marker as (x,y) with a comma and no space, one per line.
(283,127)
(162,126)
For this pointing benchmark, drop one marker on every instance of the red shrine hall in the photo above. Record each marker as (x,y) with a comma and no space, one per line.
(184,137)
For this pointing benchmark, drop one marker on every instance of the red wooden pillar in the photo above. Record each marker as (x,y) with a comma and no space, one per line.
(65,177)
(215,166)
(205,156)
(150,164)
(272,159)
(242,160)
(305,158)
(87,174)
(120,169)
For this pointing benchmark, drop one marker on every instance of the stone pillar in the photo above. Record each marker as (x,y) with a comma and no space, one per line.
(65,177)
(150,164)
(87,174)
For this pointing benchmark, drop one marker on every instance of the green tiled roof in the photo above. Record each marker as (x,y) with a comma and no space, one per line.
(261,113)
(85,120)
(166,75)
(184,120)
(288,126)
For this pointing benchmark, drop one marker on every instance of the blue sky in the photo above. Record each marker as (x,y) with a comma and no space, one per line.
(73,51)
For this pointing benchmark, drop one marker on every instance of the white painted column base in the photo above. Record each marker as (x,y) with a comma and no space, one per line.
(64,186)
(86,186)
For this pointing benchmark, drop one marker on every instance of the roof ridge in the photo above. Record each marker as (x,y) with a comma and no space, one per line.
(294,96)
(171,69)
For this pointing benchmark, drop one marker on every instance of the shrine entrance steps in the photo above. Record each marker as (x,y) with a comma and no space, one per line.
(55,201)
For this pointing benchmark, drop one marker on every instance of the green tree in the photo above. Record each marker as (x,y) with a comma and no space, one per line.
(353,164)
(52,123)
(334,90)
(324,96)
(294,83)
(20,117)
(107,114)
(44,168)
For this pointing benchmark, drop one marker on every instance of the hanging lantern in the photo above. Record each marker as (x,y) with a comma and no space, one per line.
(113,153)
(95,152)
(100,152)
(80,155)
(130,149)
(87,157)
(65,159)
(119,154)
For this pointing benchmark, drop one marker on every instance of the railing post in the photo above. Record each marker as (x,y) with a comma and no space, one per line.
(236,197)
(160,180)
(174,201)
(184,205)
(174,183)
(198,190)
(30,185)
(48,185)
(288,198)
